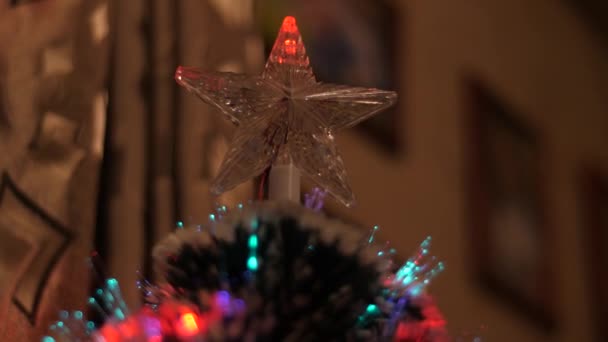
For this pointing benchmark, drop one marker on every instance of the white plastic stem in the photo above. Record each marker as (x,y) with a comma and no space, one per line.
(284,183)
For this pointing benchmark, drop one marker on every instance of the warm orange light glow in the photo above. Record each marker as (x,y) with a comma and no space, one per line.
(187,325)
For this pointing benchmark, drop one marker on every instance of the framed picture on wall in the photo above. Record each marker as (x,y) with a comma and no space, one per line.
(595,215)
(510,236)
(348,42)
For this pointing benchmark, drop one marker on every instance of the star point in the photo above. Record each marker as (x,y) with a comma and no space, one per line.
(285,111)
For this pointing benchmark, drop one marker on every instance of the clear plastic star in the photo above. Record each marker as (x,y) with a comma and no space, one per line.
(285,112)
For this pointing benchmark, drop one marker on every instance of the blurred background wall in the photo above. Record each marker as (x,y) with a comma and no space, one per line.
(544,59)
(498,147)
(53,63)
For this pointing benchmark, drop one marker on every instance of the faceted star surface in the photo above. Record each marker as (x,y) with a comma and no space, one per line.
(285,115)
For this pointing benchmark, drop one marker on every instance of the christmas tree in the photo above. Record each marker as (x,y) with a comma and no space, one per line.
(275,270)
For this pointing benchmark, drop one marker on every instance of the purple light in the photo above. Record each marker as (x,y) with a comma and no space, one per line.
(315,199)
(223,299)
(239,304)
(151,326)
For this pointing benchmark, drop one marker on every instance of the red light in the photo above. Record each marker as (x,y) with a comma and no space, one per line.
(129,328)
(388,282)
(409,332)
(290,46)
(289,24)
(110,334)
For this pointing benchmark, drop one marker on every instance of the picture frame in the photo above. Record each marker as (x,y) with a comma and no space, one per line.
(511,246)
(354,43)
(594,209)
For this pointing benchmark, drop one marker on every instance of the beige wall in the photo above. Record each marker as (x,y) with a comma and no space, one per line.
(543,60)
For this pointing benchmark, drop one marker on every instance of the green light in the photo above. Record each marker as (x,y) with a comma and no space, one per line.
(371,237)
(252,263)
(48,339)
(91,300)
(415,291)
(112,283)
(180,224)
(372,309)
(118,314)
(253,241)
(211,217)
(90,325)
(60,324)
(78,314)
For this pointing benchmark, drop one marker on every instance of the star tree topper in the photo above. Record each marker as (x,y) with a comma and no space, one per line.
(284,116)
